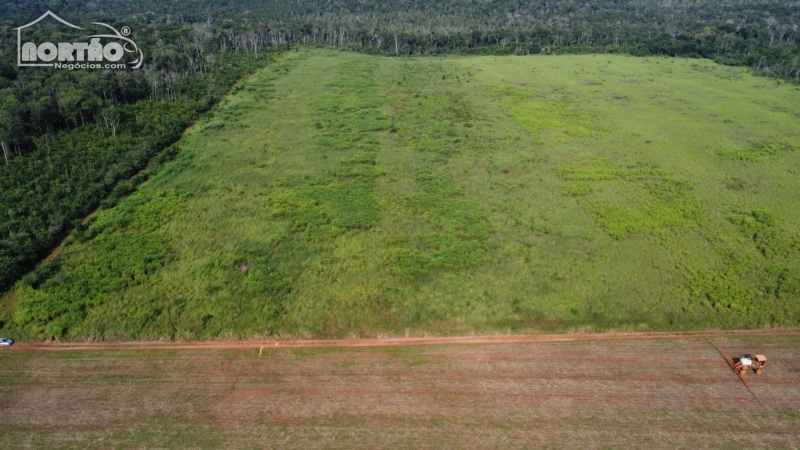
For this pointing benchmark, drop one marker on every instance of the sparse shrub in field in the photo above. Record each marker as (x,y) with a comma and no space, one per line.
(668,205)
(763,228)
(126,249)
(519,92)
(438,184)
(756,152)
(461,230)
(720,290)
(577,189)
(358,171)
(737,184)
(788,286)
(439,145)
(336,142)
(348,111)
(648,216)
(409,263)
(342,100)
(63,301)
(600,171)
(323,209)
(269,286)
(363,158)
(214,125)
(669,187)
(535,114)
(588,173)
(777,280)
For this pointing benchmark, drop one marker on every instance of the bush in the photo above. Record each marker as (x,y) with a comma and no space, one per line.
(577,190)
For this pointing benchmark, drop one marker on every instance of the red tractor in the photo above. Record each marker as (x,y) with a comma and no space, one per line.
(748,361)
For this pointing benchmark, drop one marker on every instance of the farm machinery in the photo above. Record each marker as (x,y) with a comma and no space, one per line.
(741,364)
(748,361)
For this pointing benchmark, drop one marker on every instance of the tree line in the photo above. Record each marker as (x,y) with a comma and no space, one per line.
(73,140)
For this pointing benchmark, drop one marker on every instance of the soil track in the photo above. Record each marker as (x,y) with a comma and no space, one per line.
(396,342)
(587,391)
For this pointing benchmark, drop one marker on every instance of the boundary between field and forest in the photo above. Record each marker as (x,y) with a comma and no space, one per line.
(152,170)
(397,342)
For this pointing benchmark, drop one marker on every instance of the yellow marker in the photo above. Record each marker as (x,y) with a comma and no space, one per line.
(259,351)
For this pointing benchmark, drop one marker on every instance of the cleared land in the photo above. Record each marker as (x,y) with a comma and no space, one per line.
(339,195)
(396,342)
(606,394)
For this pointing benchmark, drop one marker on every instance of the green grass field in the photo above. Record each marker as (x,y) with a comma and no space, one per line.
(339,194)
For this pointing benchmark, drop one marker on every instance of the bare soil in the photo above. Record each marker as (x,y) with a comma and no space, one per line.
(623,392)
(395,341)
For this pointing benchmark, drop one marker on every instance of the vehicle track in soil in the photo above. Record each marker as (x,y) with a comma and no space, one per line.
(394,342)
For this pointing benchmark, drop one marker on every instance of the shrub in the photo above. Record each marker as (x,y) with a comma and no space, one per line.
(577,190)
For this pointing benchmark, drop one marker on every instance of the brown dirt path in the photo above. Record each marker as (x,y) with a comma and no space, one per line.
(396,342)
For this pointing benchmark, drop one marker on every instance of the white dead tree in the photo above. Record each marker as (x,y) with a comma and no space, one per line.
(5,150)
(111,117)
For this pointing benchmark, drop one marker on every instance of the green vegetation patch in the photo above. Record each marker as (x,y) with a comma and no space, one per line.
(577,189)
(719,289)
(757,152)
(771,237)
(536,113)
(772,278)
(324,211)
(348,113)
(460,230)
(121,249)
(658,203)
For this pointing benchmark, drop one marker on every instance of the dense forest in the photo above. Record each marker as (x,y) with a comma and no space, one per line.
(761,34)
(73,140)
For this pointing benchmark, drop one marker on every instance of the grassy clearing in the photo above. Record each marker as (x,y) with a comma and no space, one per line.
(338,194)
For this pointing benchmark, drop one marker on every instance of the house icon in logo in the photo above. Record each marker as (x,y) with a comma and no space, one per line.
(110,48)
(19,37)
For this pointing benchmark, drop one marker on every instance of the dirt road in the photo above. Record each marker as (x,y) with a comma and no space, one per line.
(395,342)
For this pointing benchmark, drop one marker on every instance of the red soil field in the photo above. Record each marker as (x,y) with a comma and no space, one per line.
(612,392)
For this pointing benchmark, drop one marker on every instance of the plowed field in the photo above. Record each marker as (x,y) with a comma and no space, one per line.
(594,394)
